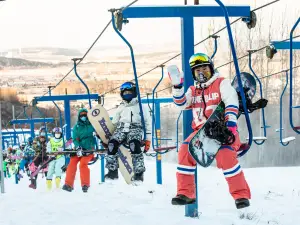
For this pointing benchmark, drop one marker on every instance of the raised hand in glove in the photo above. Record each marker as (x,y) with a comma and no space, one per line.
(175,76)
(147,145)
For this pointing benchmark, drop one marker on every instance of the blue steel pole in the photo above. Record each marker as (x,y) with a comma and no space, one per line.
(177,130)
(101,162)
(68,125)
(60,119)
(238,74)
(32,134)
(153,111)
(32,129)
(84,84)
(4,141)
(216,46)
(134,71)
(156,129)
(158,136)
(102,157)
(102,168)
(68,119)
(24,139)
(187,46)
(261,96)
(281,102)
(43,115)
(10,138)
(15,138)
(16,179)
(296,129)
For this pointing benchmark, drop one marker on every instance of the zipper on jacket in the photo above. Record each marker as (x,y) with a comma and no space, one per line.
(203,100)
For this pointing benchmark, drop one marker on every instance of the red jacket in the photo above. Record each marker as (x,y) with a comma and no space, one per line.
(203,100)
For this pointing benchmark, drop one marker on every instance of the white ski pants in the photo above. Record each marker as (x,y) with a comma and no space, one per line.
(55,168)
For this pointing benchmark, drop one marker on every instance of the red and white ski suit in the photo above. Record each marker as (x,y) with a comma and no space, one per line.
(203,100)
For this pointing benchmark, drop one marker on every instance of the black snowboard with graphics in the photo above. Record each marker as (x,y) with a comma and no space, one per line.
(204,145)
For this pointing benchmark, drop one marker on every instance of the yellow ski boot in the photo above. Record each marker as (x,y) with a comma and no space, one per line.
(49,184)
(57,182)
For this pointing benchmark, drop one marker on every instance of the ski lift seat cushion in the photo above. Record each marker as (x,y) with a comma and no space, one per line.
(288,139)
(258,138)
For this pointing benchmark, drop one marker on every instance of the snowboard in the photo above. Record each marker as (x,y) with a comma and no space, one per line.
(204,149)
(42,166)
(99,118)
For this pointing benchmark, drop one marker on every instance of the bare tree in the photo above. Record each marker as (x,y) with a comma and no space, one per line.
(210,43)
(268,60)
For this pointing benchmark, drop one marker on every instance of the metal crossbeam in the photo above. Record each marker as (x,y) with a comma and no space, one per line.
(157,100)
(67,106)
(33,120)
(184,11)
(279,45)
(66,97)
(4,133)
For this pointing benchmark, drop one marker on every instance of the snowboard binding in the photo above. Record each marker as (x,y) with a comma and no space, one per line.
(218,131)
(251,107)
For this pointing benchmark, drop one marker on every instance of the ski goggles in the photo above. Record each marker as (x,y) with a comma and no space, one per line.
(83,114)
(199,60)
(126,86)
(57,130)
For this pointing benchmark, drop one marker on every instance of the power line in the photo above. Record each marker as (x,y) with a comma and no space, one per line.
(254,51)
(270,3)
(130,4)
(295,67)
(68,73)
(243,57)
(269,75)
(143,74)
(259,78)
(89,49)
(155,66)
(272,74)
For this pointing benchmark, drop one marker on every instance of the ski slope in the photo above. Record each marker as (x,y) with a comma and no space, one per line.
(275,200)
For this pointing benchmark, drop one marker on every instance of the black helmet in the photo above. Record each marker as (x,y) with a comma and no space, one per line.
(128,86)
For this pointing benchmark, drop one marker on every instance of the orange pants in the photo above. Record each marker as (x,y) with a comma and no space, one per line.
(83,167)
(226,160)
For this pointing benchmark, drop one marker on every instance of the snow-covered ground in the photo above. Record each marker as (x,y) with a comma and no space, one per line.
(275,200)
